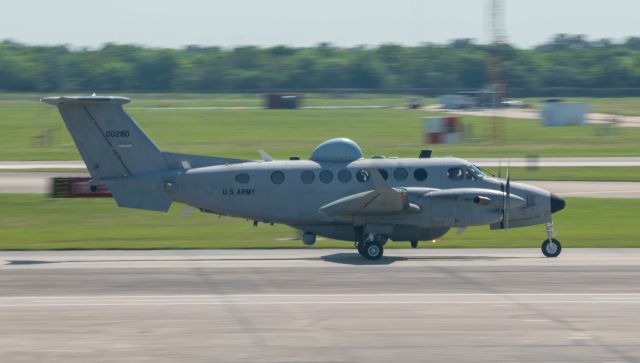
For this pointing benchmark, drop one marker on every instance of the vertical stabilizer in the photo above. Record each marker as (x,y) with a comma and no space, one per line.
(110,142)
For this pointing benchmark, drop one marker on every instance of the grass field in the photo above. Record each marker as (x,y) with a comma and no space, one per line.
(29,222)
(238,133)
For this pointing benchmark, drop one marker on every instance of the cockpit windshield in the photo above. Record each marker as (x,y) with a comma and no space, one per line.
(473,172)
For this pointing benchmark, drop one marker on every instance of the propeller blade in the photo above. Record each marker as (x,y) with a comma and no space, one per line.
(499,168)
(507,199)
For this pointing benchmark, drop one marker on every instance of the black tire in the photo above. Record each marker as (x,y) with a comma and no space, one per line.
(361,251)
(414,244)
(548,248)
(372,251)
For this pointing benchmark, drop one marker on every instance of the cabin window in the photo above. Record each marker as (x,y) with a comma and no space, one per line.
(420,174)
(277,177)
(363,176)
(400,174)
(384,173)
(326,176)
(344,176)
(455,173)
(242,178)
(307,177)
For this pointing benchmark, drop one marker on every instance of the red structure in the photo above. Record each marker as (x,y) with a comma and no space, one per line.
(77,187)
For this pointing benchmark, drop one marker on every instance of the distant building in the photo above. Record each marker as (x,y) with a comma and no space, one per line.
(289,101)
(484,98)
(557,113)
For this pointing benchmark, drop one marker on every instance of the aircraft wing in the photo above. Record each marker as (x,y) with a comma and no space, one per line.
(381,200)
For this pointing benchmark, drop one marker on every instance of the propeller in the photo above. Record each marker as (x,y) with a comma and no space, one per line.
(506,202)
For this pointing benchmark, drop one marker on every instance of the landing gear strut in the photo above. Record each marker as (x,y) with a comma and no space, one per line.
(551,247)
(371,247)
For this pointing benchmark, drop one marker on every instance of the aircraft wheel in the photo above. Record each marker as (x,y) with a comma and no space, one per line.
(372,250)
(361,250)
(551,248)
(414,244)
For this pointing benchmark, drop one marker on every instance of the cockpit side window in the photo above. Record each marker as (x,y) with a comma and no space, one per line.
(455,173)
(474,173)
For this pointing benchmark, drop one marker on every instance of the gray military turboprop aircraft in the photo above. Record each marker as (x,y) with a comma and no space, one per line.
(336,193)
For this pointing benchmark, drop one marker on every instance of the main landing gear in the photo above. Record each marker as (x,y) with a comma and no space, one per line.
(551,247)
(371,246)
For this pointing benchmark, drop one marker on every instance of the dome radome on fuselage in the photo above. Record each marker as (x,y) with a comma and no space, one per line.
(337,150)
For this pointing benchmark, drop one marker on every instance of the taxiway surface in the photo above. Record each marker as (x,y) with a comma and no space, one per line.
(320,306)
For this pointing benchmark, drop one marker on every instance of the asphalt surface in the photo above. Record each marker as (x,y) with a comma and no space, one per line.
(485,162)
(534,114)
(40,183)
(30,183)
(320,306)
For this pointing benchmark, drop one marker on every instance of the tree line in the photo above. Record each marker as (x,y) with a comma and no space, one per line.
(569,62)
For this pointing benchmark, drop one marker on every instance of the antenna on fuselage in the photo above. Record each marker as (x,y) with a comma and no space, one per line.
(264,155)
(425,154)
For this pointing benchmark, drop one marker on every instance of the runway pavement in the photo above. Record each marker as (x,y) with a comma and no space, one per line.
(39,183)
(320,306)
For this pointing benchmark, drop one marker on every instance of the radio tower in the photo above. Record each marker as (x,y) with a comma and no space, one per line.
(497,86)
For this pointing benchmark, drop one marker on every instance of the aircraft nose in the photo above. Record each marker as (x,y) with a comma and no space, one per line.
(557,203)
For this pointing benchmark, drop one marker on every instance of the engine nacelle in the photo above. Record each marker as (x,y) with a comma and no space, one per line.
(467,206)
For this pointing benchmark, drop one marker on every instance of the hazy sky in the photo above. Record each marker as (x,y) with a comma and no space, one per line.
(305,23)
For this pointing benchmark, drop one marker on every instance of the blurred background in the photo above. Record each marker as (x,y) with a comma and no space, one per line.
(550,88)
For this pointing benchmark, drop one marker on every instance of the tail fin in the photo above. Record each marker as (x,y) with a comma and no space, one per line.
(110,142)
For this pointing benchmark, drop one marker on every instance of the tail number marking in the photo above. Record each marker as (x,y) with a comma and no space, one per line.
(117,133)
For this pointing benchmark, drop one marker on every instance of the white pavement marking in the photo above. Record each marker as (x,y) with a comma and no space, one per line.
(321,299)
(28,165)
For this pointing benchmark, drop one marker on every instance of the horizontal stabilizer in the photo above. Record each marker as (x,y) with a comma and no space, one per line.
(178,161)
(85,100)
(128,197)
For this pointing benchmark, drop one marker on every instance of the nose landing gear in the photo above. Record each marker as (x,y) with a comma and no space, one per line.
(551,247)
